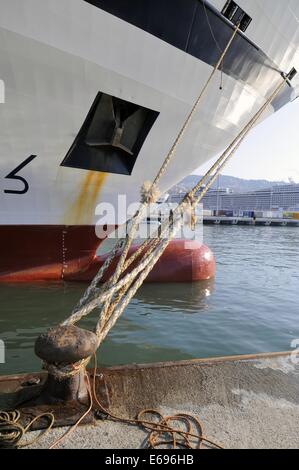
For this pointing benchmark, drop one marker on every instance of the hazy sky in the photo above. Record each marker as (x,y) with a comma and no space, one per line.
(271,151)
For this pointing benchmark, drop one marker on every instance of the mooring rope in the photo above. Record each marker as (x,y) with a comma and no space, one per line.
(152,192)
(153,249)
(152,243)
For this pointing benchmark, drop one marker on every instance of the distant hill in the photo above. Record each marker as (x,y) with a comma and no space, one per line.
(238,185)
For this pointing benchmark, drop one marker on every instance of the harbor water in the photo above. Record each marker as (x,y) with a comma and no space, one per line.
(252,306)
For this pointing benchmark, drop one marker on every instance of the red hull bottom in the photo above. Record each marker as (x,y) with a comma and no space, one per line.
(53,253)
(182,261)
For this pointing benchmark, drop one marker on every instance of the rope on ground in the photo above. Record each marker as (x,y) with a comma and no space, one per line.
(158,430)
(161,432)
(12,431)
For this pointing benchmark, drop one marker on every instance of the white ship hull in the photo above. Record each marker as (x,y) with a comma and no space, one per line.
(56,57)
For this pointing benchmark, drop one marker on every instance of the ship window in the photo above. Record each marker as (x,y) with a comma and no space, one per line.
(111,137)
(236,15)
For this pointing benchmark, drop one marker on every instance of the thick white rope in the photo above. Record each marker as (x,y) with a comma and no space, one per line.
(149,193)
(104,328)
(151,257)
(191,195)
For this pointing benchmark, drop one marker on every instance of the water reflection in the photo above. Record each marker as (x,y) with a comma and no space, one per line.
(187,297)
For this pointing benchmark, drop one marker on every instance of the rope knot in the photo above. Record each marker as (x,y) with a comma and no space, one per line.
(149,193)
(64,371)
(190,200)
(190,206)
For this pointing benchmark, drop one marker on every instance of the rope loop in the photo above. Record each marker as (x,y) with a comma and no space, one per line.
(180,430)
(64,371)
(12,431)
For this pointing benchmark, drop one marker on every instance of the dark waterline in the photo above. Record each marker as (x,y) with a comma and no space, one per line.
(251,306)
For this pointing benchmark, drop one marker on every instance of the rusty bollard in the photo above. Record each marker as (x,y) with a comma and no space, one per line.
(65,351)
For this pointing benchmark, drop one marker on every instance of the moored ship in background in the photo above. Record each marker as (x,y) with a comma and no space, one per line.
(95,94)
